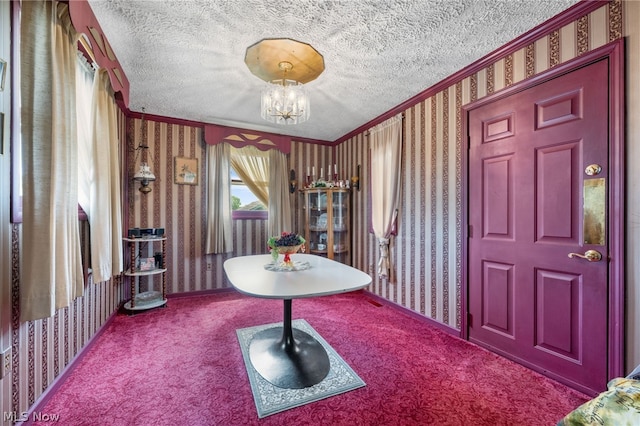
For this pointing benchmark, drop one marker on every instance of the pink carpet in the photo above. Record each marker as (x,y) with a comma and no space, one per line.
(182,365)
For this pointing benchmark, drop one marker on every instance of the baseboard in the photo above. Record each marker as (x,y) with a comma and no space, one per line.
(201,293)
(444,327)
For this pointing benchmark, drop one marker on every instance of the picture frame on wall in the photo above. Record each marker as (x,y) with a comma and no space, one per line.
(3,73)
(185,171)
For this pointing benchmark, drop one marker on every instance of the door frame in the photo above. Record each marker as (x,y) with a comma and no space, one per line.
(614,53)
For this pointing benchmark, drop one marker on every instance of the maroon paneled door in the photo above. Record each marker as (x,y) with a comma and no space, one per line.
(534,200)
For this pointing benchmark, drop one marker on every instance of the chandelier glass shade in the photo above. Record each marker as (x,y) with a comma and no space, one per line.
(144,176)
(285,102)
(144,173)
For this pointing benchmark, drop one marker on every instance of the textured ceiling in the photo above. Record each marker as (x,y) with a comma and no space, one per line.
(185,59)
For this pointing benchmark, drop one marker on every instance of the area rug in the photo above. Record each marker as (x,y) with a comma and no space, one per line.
(270,399)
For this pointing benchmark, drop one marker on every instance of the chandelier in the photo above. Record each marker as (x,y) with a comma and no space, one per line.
(286,65)
(285,101)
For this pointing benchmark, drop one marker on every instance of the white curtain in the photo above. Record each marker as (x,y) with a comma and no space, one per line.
(386,149)
(51,268)
(219,230)
(104,206)
(280,219)
(252,166)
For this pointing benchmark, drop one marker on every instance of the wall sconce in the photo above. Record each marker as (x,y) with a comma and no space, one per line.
(293,183)
(144,176)
(355,180)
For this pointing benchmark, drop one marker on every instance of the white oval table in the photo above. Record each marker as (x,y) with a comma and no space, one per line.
(286,357)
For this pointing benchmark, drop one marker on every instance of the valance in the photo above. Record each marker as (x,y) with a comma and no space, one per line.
(85,22)
(214,134)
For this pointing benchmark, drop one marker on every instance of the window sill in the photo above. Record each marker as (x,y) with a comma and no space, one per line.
(249,215)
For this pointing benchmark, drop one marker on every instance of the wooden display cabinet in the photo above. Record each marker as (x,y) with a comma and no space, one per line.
(327,223)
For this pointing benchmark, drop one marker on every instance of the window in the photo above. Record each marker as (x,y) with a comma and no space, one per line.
(242,199)
(249,186)
(85,73)
(266,176)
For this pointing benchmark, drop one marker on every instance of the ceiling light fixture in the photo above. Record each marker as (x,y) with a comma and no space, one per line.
(285,101)
(286,65)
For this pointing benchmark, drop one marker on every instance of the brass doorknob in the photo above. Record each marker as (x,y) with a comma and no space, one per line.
(590,255)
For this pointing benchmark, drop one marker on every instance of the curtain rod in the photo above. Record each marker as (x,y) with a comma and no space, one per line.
(367,132)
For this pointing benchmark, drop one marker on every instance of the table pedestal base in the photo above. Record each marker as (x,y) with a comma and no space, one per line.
(287,357)
(303,365)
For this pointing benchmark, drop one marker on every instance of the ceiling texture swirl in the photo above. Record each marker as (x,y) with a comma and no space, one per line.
(185,59)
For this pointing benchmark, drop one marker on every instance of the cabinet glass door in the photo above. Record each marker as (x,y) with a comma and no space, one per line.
(340,226)
(318,222)
(327,223)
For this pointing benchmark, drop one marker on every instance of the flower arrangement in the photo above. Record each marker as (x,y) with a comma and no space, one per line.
(287,243)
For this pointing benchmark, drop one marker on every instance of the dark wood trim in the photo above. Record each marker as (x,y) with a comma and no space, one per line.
(199,293)
(465,232)
(574,12)
(16,199)
(617,207)
(614,54)
(159,118)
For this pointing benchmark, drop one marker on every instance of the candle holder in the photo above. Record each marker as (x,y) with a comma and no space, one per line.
(293,183)
(355,180)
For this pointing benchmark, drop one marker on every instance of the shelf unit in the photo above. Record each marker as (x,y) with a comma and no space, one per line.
(148,299)
(327,223)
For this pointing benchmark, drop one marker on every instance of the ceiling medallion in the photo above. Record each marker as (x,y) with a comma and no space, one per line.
(286,65)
